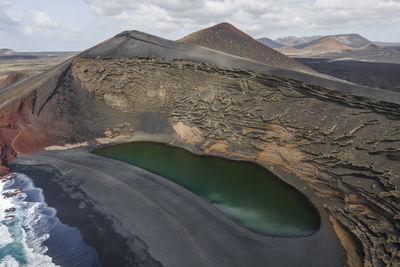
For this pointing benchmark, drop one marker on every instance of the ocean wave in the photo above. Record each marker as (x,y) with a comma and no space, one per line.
(35,236)
(27,230)
(8,261)
(5,236)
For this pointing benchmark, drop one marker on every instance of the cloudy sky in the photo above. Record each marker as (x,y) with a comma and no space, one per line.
(44,25)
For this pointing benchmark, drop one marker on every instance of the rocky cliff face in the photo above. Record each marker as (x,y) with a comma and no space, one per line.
(346,149)
(342,150)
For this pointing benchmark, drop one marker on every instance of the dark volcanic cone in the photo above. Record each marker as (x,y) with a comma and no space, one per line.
(227,38)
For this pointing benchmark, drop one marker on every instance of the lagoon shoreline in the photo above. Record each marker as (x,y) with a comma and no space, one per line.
(161,223)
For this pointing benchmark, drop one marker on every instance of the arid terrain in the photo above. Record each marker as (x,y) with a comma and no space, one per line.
(377,75)
(338,148)
(207,133)
(343,47)
(15,66)
(350,57)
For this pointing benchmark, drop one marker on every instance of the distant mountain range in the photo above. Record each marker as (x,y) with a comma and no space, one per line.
(352,40)
(270,43)
(371,52)
(338,46)
(293,40)
(327,44)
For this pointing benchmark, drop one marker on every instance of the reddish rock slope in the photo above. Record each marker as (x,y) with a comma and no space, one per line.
(227,38)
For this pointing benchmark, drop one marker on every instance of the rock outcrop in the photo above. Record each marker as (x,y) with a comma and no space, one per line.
(6,51)
(346,148)
(13,78)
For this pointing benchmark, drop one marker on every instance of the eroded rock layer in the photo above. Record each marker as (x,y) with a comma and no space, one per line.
(343,147)
(346,149)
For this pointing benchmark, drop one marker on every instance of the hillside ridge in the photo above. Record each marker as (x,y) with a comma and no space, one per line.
(229,39)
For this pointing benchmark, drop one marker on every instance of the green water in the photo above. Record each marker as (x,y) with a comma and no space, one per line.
(244,191)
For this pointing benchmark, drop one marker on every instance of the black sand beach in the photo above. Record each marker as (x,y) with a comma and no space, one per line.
(135,218)
(96,228)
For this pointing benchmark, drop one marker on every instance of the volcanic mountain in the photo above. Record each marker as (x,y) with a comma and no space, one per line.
(289,50)
(331,49)
(322,135)
(226,38)
(270,43)
(324,46)
(351,40)
(317,48)
(294,41)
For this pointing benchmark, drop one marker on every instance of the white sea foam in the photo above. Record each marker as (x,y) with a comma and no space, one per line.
(5,236)
(4,233)
(36,226)
(30,228)
(8,261)
(5,203)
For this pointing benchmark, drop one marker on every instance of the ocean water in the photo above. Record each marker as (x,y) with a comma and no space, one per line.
(35,236)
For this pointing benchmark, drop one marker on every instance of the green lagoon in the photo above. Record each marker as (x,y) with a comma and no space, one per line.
(244,191)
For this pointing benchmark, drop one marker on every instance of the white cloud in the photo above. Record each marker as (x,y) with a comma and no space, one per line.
(40,25)
(8,19)
(42,19)
(28,23)
(28,30)
(258,17)
(74,29)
